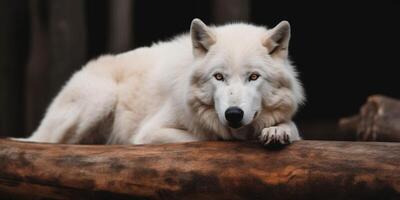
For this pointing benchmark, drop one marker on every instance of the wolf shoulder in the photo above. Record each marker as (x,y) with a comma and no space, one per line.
(164,59)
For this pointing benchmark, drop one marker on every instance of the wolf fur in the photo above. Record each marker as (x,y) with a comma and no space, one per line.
(169,92)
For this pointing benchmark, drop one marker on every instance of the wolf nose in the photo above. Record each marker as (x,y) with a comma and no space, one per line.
(234,115)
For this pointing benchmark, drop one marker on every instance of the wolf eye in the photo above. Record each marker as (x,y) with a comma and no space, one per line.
(253,77)
(219,76)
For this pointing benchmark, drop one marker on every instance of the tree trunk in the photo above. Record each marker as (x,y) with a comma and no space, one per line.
(121,22)
(231,10)
(14,30)
(203,170)
(36,74)
(67,44)
(378,120)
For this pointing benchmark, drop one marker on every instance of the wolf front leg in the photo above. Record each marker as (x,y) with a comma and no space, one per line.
(160,129)
(283,133)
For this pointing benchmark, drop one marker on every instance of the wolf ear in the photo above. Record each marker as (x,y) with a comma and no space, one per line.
(277,41)
(202,37)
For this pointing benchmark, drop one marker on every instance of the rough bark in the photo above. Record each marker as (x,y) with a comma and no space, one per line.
(378,120)
(204,170)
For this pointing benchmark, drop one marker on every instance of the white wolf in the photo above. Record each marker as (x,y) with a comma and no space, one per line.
(226,82)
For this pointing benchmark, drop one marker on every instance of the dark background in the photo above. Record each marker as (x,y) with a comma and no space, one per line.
(344,50)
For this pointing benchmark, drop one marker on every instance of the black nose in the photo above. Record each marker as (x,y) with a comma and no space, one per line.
(234,115)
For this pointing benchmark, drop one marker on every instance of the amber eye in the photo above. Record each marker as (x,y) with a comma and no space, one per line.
(219,76)
(253,77)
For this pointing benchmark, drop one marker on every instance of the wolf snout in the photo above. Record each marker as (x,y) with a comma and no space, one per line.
(234,116)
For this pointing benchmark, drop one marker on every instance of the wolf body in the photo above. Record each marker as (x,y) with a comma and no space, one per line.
(227,82)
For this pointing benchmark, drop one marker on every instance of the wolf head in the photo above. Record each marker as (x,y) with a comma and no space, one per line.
(242,76)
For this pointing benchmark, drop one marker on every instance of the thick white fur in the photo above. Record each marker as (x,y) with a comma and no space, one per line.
(167,92)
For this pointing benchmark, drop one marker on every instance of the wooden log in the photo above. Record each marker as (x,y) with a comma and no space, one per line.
(378,120)
(203,170)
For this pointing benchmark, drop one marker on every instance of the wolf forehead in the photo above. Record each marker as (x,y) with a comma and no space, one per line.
(239,33)
(239,44)
(236,46)
(238,40)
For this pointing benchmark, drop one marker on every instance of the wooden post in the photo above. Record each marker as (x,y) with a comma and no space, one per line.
(203,170)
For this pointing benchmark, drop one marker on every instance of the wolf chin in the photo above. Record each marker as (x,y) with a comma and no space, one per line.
(218,82)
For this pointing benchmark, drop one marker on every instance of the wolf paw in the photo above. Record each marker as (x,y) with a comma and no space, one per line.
(275,135)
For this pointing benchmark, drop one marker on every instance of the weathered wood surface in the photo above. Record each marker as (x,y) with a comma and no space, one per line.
(204,170)
(378,120)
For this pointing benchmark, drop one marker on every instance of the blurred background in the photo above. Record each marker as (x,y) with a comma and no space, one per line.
(344,50)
